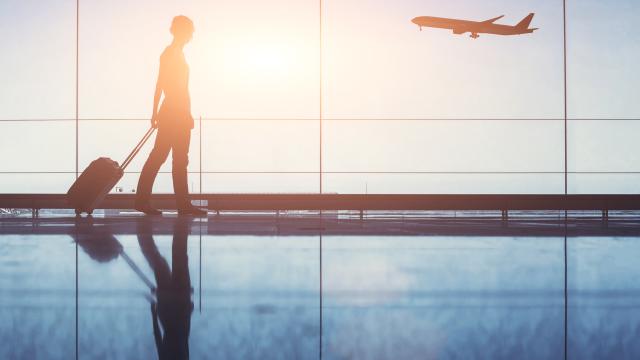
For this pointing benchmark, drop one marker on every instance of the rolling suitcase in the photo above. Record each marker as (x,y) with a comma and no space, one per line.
(98,179)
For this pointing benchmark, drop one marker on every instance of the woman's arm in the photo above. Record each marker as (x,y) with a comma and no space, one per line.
(156,96)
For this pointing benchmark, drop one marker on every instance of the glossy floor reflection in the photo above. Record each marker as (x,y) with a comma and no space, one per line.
(246,287)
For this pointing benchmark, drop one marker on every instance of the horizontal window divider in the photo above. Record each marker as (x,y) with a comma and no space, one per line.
(37,120)
(360,172)
(330,119)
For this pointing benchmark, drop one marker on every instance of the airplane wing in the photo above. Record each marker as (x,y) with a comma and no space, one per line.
(490,21)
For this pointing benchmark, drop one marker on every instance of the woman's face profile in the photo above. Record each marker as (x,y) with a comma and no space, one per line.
(183,36)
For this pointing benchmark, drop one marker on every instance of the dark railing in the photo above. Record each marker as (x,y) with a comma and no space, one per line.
(358,202)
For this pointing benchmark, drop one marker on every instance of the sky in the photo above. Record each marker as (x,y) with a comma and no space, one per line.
(381,79)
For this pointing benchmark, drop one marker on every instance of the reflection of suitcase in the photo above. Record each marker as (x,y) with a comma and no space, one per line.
(98,179)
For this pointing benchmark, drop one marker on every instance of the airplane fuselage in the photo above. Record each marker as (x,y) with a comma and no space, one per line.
(475,27)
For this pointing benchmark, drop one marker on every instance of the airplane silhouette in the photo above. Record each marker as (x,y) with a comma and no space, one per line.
(476,27)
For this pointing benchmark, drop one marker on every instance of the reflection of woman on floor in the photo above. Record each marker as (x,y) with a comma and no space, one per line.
(174,305)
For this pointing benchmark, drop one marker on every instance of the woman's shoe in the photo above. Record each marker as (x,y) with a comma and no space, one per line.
(147,209)
(192,211)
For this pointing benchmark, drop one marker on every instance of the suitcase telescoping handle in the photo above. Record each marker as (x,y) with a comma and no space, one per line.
(137,270)
(137,149)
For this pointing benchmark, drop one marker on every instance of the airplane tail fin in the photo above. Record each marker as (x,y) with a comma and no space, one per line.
(524,24)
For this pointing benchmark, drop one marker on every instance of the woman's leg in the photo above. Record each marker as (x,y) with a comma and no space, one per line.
(180,154)
(151,167)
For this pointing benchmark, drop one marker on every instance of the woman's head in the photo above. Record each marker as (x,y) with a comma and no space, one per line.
(182,28)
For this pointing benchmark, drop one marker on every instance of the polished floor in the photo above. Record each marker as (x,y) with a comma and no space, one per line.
(243,286)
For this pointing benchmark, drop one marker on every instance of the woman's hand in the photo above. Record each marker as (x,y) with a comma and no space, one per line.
(154,121)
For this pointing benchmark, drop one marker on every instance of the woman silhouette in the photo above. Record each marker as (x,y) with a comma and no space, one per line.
(174,123)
